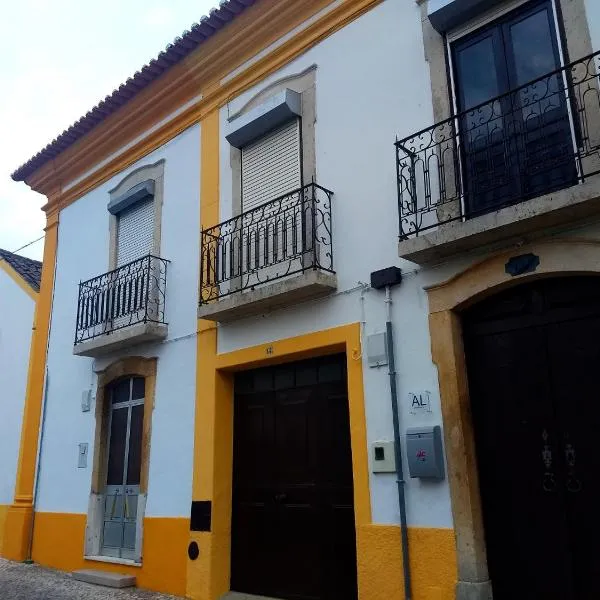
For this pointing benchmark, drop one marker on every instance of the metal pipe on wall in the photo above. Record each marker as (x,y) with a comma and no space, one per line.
(397,447)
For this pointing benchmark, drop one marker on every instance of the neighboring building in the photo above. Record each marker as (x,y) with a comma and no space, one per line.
(19,288)
(218,412)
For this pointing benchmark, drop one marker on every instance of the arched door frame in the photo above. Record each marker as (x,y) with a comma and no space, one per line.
(446,302)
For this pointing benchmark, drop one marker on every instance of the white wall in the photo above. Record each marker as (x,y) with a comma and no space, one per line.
(592,9)
(83,253)
(372,83)
(16,321)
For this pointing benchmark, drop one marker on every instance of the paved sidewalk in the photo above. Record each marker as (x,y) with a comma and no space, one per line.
(31,582)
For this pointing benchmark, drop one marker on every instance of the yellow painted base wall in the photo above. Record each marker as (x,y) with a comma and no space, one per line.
(3,511)
(432,562)
(58,542)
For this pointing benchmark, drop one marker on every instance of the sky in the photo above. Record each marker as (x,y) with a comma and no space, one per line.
(60,58)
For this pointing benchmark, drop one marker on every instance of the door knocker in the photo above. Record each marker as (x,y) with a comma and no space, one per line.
(549,480)
(573,483)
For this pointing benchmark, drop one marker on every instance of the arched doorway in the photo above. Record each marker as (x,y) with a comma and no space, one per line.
(533,358)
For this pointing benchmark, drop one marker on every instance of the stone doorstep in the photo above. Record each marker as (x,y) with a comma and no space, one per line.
(242,596)
(104,578)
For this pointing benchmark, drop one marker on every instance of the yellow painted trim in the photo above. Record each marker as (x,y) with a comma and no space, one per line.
(3,512)
(16,277)
(214,94)
(345,338)
(163,566)
(432,563)
(199,579)
(208,576)
(20,514)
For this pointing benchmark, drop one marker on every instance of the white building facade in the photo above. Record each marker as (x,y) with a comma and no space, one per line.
(289,358)
(19,286)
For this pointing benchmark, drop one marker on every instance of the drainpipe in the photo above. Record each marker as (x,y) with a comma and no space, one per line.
(385,279)
(397,447)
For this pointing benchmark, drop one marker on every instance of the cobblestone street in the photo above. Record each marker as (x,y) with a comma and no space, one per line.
(31,582)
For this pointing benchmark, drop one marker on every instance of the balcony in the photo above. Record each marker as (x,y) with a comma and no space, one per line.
(122,308)
(274,255)
(516,167)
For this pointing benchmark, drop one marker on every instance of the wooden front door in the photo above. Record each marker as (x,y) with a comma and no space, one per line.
(293,510)
(533,356)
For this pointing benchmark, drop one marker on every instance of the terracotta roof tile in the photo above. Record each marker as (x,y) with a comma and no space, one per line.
(218,18)
(30,270)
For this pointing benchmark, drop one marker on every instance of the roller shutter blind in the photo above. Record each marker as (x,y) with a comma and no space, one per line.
(271,166)
(135,233)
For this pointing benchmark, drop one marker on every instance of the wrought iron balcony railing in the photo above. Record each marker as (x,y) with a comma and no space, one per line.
(533,140)
(131,294)
(284,237)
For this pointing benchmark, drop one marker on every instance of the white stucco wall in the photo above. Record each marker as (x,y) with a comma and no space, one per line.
(16,321)
(83,245)
(363,100)
(372,84)
(592,9)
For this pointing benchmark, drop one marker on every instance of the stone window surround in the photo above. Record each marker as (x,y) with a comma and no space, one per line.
(521,220)
(574,36)
(303,83)
(150,174)
(132,366)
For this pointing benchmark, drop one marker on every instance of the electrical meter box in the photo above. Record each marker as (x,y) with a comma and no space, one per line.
(425,452)
(383,459)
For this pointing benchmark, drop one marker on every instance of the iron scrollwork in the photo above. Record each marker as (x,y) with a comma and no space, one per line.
(574,484)
(133,293)
(503,151)
(286,236)
(549,479)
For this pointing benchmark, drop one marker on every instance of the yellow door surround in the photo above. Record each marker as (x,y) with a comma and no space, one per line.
(208,575)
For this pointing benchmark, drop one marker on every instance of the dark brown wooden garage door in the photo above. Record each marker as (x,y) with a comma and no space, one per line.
(533,356)
(293,512)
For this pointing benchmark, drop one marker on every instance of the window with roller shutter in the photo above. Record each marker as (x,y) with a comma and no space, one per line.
(135,232)
(271,166)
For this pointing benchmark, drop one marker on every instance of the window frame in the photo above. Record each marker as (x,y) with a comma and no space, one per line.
(298,121)
(154,173)
(303,83)
(129,367)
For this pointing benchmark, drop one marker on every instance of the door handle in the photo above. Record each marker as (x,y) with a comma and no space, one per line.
(573,482)
(549,479)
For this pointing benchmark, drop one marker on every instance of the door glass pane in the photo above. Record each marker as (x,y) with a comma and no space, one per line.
(116,452)
(483,128)
(476,73)
(135,445)
(120,391)
(532,47)
(544,145)
(138,388)
(129,536)
(530,44)
(112,535)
